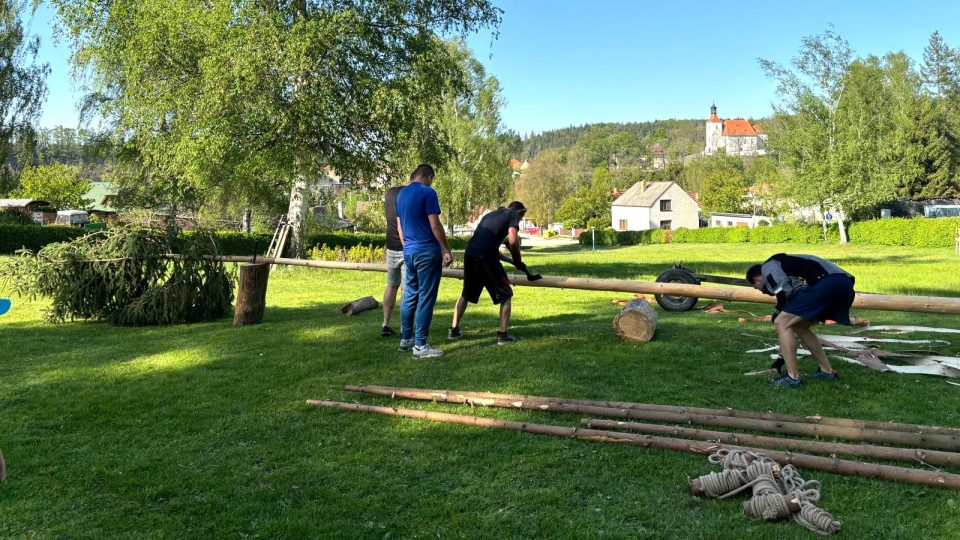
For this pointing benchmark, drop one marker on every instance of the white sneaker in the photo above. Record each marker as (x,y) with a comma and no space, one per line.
(405,345)
(426,351)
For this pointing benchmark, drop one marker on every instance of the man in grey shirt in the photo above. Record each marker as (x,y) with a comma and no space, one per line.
(396,271)
(808,290)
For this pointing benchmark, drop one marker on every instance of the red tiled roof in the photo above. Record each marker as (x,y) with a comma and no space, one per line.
(739,127)
(693,195)
(713,118)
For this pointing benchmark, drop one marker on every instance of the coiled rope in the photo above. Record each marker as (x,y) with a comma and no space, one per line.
(777,492)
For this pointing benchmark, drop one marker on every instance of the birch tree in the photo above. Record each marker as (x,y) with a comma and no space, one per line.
(241,95)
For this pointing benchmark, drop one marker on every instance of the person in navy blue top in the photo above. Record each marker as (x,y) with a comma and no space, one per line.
(425,253)
(808,290)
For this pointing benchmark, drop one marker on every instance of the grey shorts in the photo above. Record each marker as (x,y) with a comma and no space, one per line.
(396,270)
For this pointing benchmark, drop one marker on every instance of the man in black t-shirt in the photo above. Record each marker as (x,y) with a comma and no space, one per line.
(482,268)
(396,271)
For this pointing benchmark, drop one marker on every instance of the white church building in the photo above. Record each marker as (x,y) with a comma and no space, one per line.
(737,137)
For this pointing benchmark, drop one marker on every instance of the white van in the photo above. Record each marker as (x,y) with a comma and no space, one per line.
(76,218)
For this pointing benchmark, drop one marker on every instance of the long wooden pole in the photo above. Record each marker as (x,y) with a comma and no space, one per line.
(882,302)
(837,466)
(439,395)
(921,440)
(911,455)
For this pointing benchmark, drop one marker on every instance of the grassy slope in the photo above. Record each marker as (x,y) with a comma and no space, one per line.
(201,430)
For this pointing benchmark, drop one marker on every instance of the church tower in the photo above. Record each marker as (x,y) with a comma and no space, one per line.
(714,130)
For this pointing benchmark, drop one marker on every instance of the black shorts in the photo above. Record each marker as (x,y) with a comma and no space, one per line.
(830,299)
(485,272)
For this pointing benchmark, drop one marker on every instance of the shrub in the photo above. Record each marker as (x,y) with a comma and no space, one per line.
(357,254)
(600,222)
(917,232)
(34,237)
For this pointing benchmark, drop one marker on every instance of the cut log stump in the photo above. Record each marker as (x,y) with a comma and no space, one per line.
(251,294)
(361,304)
(637,321)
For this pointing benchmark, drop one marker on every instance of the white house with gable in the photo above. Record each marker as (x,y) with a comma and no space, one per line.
(736,137)
(655,205)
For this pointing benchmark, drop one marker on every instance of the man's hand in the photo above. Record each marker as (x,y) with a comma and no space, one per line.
(447,259)
(533,277)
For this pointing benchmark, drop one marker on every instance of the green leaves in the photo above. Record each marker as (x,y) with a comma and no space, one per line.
(121,275)
(60,185)
(236,94)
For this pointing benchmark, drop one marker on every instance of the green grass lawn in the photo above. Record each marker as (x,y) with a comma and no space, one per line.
(202,430)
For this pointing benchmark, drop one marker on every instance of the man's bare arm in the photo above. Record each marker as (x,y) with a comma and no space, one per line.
(441,237)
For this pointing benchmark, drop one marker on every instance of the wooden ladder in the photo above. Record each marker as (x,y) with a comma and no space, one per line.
(279,240)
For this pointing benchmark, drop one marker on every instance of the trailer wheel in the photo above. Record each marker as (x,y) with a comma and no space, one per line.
(677,303)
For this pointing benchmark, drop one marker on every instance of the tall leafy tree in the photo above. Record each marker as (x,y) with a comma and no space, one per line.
(60,185)
(544,186)
(22,86)
(239,94)
(720,182)
(477,171)
(588,202)
(806,118)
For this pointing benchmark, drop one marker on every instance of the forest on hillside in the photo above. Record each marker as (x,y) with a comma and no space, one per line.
(678,137)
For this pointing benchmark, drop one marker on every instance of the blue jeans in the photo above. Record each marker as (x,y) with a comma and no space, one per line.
(420,294)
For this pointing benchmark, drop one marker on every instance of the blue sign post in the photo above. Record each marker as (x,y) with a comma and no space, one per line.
(4,305)
(828,216)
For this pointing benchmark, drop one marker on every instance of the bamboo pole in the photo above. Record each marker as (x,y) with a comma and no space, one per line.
(882,302)
(822,420)
(837,466)
(665,414)
(912,455)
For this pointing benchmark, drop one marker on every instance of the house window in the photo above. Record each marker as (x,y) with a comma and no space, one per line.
(665,205)
(623,224)
(665,224)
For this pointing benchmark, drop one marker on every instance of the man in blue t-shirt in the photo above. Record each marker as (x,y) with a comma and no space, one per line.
(425,253)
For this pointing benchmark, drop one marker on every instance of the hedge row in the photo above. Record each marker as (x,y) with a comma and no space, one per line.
(33,237)
(915,232)
(235,243)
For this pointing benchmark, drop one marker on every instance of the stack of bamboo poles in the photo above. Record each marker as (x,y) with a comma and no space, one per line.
(931,446)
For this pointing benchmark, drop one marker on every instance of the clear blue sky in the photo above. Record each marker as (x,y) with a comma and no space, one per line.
(566,62)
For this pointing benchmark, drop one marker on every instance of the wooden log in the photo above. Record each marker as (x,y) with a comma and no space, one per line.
(516,400)
(881,302)
(359,305)
(3,468)
(251,294)
(637,321)
(837,466)
(912,455)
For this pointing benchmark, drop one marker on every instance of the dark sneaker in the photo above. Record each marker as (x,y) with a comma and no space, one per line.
(787,381)
(426,351)
(454,333)
(386,331)
(406,345)
(824,376)
(503,338)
